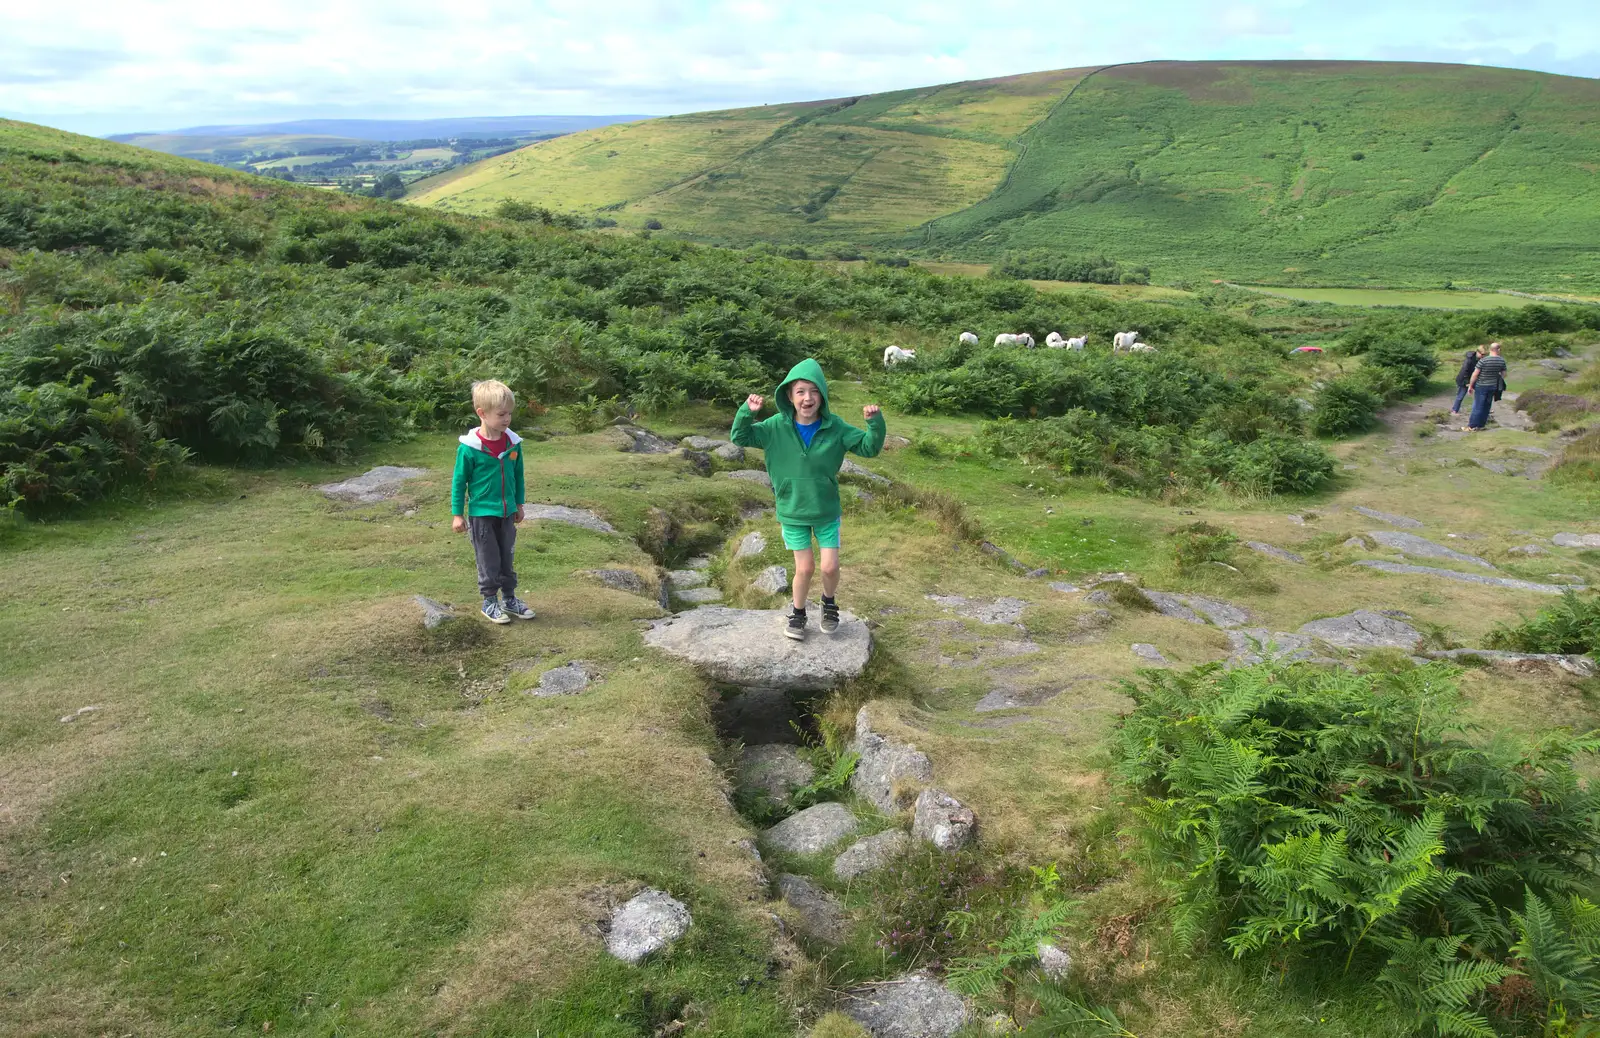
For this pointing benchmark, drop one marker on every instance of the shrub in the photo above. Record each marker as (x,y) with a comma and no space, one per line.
(652,224)
(1411,362)
(1199,543)
(1291,809)
(1572,626)
(1343,406)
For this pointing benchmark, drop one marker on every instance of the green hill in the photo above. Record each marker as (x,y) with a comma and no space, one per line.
(1275,172)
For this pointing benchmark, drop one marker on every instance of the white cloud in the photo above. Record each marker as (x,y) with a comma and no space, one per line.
(106,66)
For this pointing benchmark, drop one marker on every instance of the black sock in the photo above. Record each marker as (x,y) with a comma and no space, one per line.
(798,610)
(828,600)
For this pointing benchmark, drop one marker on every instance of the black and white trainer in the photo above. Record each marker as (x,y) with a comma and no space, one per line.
(795,625)
(830,616)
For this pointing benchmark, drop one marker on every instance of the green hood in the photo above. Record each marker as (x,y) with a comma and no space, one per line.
(807,370)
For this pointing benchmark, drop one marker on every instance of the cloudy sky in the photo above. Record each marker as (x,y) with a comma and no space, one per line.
(110,66)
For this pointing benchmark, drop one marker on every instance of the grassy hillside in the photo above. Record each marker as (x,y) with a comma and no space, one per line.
(1297,172)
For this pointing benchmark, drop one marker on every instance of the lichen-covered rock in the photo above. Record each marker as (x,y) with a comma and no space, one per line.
(1385,566)
(752,475)
(1576,540)
(728,452)
(567,680)
(812,830)
(698,595)
(1146,651)
(943,821)
(816,913)
(372,486)
(746,647)
(1252,645)
(911,1006)
(1364,629)
(774,580)
(1055,962)
(682,579)
(851,468)
(870,853)
(703,443)
(1195,609)
(1581,666)
(995,611)
(580,517)
(1404,522)
(1275,552)
(434,614)
(775,769)
(646,924)
(616,579)
(1411,544)
(889,773)
(751,544)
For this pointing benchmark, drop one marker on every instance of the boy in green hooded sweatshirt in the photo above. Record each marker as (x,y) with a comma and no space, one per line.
(805,444)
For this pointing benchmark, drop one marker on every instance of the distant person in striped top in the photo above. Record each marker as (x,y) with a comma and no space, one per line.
(1488,382)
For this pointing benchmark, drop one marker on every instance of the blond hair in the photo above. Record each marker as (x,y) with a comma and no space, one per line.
(489,394)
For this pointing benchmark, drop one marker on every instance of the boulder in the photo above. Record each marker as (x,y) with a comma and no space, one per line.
(703,443)
(911,1006)
(1252,645)
(774,580)
(1363,629)
(1196,610)
(700,461)
(753,475)
(698,595)
(434,614)
(616,579)
(372,486)
(752,543)
(567,680)
(812,830)
(888,772)
(1576,540)
(816,914)
(1385,566)
(984,610)
(728,452)
(747,647)
(943,821)
(1404,522)
(642,441)
(775,769)
(580,517)
(682,579)
(1273,551)
(870,853)
(1354,542)
(1146,651)
(1411,544)
(646,924)
(1063,587)
(850,468)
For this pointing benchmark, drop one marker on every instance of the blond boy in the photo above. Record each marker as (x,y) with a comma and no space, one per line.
(486,499)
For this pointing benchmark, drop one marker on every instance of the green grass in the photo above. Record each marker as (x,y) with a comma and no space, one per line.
(1239,170)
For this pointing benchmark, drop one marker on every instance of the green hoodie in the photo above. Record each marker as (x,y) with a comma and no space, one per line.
(805,480)
(484,483)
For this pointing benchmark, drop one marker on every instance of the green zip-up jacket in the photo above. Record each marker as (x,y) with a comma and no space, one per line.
(486,484)
(805,480)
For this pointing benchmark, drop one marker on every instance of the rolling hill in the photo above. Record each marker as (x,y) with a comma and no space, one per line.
(1274,172)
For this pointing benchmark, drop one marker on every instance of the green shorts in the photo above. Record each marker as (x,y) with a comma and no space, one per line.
(797,537)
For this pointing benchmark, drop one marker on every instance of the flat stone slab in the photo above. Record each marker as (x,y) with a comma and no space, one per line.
(747,647)
(699,562)
(616,579)
(1582,666)
(911,1006)
(1470,578)
(1063,587)
(870,854)
(816,913)
(889,771)
(994,611)
(703,443)
(646,924)
(1013,698)
(943,821)
(774,580)
(1146,651)
(1576,540)
(812,830)
(851,468)
(776,769)
(683,579)
(1197,610)
(434,614)
(1411,544)
(1364,629)
(580,517)
(567,680)
(698,595)
(1526,549)
(752,543)
(1273,551)
(372,486)
(753,475)
(1404,522)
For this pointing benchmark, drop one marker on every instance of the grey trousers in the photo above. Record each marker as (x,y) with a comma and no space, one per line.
(493,541)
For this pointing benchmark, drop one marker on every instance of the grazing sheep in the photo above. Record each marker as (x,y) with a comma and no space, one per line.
(1024,339)
(1123,341)
(1007,339)
(1078,343)
(893,355)
(969,338)
(1054,341)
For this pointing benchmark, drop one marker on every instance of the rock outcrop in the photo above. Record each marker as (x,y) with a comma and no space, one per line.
(816,914)
(372,486)
(889,773)
(580,517)
(646,924)
(870,854)
(911,1006)
(1364,629)
(812,830)
(747,647)
(943,821)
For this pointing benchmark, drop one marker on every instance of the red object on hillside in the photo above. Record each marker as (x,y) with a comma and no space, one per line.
(1306,349)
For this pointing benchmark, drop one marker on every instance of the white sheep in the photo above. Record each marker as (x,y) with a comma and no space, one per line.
(1024,339)
(969,338)
(1007,339)
(1078,343)
(1141,347)
(893,355)
(1123,341)
(1054,341)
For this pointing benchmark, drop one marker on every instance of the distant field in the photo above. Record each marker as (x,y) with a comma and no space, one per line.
(978,270)
(1394,174)
(1439,299)
(206,148)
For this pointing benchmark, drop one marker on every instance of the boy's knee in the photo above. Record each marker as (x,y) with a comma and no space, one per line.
(830,567)
(803,564)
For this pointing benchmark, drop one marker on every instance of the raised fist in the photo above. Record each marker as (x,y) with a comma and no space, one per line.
(753,402)
(870,411)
